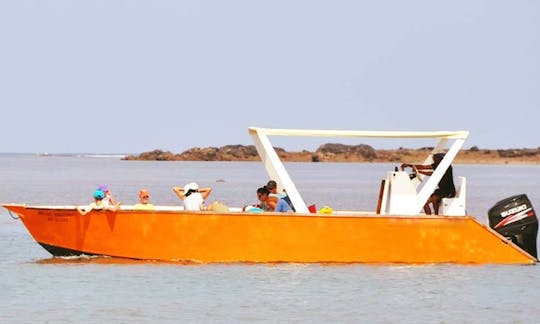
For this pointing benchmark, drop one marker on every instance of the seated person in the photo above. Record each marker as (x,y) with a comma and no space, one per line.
(272,187)
(108,199)
(446,188)
(269,203)
(282,206)
(144,203)
(98,204)
(193,196)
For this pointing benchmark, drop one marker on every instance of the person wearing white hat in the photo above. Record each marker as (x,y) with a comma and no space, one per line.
(192,196)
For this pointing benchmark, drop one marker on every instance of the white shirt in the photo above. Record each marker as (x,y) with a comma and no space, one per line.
(193,201)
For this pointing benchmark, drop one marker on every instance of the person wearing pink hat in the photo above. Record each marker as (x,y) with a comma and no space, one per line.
(97,204)
(108,199)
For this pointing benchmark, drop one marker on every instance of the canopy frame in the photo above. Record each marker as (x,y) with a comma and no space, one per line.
(276,170)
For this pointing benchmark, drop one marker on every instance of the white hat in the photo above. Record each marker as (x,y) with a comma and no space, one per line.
(192,186)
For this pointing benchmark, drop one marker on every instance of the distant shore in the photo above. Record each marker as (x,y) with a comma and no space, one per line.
(342,153)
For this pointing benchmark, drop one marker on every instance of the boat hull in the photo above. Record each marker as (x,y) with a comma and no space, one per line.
(207,237)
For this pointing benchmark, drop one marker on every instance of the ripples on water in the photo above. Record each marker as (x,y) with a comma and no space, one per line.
(35,287)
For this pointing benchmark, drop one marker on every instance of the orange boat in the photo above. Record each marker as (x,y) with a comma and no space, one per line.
(396,233)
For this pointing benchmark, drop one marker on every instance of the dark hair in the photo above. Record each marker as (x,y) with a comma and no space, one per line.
(263,191)
(438,156)
(271,184)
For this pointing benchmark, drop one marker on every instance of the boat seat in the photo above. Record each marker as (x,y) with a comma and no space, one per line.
(455,206)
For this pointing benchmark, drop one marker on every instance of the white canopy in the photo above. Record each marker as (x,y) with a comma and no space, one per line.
(277,171)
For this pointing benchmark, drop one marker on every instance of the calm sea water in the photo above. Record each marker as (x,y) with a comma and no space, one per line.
(35,287)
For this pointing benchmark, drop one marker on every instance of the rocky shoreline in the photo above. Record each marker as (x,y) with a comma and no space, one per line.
(333,152)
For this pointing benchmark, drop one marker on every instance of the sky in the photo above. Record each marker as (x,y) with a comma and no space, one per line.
(132,76)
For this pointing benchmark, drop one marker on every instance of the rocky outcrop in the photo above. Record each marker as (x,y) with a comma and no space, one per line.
(325,153)
(516,153)
(225,153)
(333,152)
(155,155)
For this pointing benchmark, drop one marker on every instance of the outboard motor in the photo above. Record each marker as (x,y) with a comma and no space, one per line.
(514,218)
